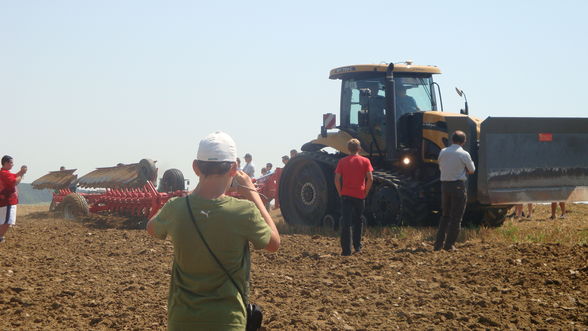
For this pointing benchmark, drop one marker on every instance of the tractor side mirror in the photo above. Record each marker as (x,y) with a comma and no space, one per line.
(462,94)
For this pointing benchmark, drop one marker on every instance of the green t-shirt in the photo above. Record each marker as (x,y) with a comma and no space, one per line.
(201,297)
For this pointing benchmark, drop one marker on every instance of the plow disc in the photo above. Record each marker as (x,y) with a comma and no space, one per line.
(56,180)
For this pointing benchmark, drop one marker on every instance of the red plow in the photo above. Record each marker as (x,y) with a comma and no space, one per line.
(126,189)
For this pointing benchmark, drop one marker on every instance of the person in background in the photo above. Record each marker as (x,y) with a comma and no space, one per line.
(239,164)
(519,210)
(404,103)
(353,180)
(269,167)
(285,159)
(9,194)
(455,164)
(249,167)
(263,171)
(293,153)
(562,205)
(201,296)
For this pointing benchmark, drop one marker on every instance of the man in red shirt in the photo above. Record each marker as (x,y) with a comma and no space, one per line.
(8,194)
(353,180)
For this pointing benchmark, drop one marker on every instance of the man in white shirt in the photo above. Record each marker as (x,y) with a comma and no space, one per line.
(455,164)
(249,167)
(269,167)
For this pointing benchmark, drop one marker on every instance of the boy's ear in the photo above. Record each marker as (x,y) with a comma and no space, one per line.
(233,170)
(196,168)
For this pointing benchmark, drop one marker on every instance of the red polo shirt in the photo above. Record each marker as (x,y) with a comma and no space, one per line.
(8,195)
(353,169)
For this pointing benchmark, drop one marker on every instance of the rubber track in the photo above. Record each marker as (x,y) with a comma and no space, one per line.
(413,210)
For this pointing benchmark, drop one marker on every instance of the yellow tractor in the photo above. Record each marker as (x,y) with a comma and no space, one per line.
(396,112)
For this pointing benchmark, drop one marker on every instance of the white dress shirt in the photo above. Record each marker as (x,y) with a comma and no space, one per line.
(453,162)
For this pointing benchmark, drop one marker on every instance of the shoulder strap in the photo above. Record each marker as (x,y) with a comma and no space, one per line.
(210,251)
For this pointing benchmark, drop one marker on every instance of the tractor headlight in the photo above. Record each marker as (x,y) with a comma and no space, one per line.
(406,160)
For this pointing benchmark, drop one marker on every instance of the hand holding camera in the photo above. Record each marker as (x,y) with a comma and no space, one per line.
(246,188)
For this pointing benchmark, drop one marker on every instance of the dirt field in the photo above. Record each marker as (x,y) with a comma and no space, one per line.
(102,274)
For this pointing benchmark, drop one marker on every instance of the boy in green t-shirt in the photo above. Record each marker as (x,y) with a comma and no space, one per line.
(201,296)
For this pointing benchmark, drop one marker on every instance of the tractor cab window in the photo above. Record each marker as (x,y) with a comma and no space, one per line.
(350,99)
(413,93)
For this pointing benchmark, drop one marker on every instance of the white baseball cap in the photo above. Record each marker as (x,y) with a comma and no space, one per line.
(217,147)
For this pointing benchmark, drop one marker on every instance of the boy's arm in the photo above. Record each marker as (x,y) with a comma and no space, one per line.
(248,191)
(150,229)
(369,180)
(20,174)
(338,183)
(158,225)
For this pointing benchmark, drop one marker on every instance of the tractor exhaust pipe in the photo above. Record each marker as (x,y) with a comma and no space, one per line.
(391,130)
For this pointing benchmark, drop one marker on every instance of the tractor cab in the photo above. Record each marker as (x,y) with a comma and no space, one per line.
(369,108)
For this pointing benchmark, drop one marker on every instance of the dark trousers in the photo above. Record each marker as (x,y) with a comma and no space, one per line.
(454,198)
(351,211)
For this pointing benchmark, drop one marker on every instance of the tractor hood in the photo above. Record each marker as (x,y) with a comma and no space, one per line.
(336,140)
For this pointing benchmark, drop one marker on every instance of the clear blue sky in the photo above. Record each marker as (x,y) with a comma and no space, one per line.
(92,83)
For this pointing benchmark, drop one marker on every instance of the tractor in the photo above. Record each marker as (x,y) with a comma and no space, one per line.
(396,112)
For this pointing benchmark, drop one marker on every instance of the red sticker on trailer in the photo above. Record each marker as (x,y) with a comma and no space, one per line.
(545,137)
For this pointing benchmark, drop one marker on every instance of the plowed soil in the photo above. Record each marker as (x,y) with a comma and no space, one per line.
(102,274)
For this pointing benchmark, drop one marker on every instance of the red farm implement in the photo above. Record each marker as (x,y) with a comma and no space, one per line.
(126,190)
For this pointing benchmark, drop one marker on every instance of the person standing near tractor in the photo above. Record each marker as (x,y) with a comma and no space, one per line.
(8,194)
(211,232)
(455,164)
(249,167)
(353,180)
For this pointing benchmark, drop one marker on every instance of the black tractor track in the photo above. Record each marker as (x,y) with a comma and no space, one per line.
(393,200)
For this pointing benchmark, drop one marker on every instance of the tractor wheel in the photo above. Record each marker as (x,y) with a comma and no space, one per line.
(384,205)
(53,205)
(148,169)
(485,216)
(303,192)
(415,211)
(397,205)
(331,221)
(172,180)
(74,207)
(494,217)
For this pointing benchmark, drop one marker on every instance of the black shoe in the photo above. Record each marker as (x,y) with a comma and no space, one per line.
(346,254)
(2,239)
